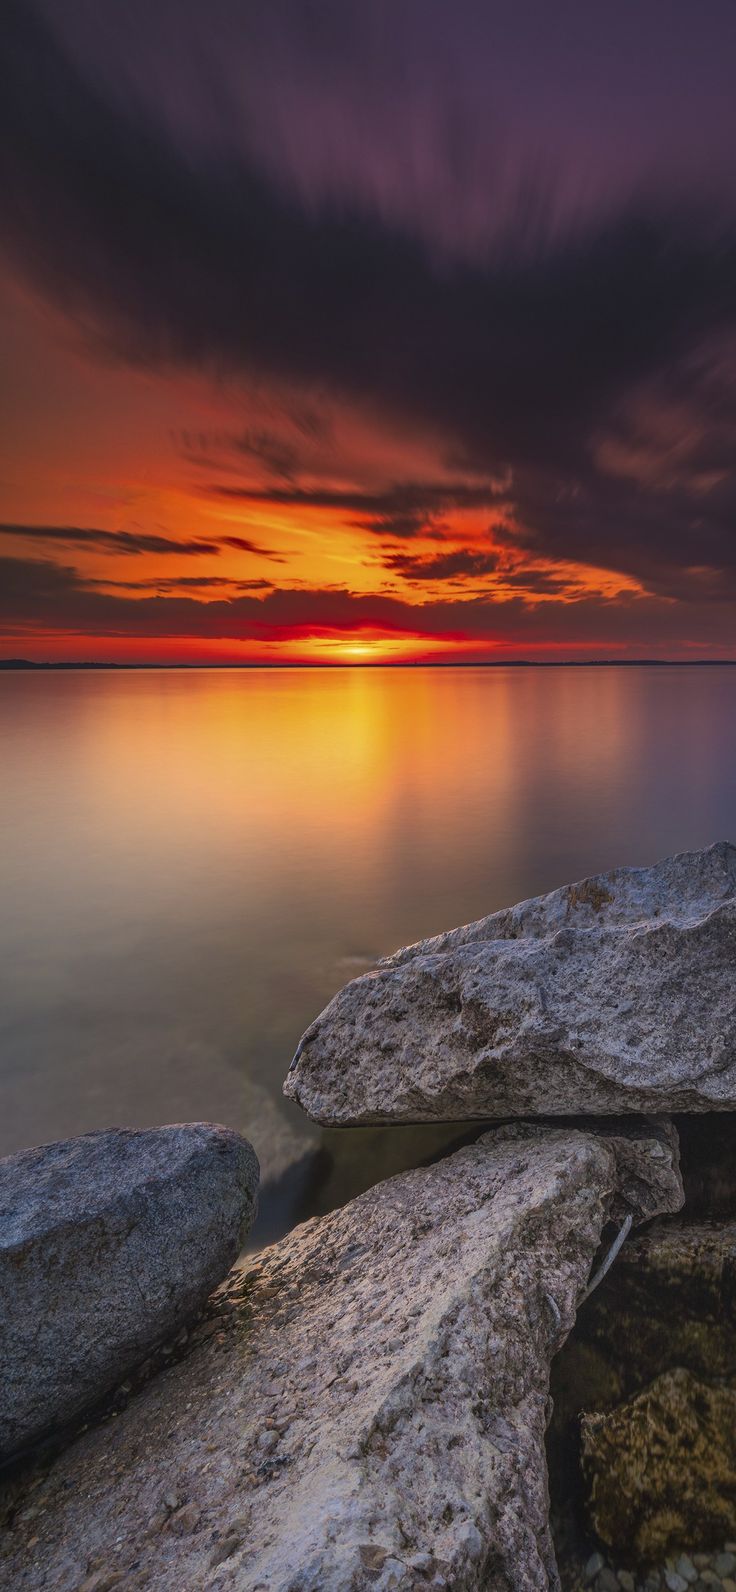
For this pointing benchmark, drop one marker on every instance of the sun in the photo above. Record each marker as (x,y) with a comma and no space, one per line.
(359,649)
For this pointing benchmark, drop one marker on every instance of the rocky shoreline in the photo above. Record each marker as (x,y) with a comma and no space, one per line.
(511,1369)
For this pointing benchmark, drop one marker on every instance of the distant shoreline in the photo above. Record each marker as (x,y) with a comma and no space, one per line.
(23,664)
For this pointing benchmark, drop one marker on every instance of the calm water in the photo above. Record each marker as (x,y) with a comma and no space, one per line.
(192,863)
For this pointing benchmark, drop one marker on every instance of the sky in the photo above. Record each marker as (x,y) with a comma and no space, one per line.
(353,331)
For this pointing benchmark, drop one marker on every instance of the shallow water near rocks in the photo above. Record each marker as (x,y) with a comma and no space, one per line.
(192,863)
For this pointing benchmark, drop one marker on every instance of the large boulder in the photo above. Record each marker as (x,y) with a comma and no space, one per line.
(108,1244)
(366,1406)
(614,995)
(662,1467)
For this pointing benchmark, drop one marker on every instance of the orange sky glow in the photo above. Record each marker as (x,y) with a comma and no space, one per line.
(234,575)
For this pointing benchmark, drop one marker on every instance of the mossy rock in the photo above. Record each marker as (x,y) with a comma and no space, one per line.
(661,1469)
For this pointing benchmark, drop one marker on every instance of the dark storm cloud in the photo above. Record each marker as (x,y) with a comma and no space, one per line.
(134,542)
(461,564)
(244,544)
(468,565)
(403,510)
(677,539)
(279,457)
(116,541)
(404,525)
(522,360)
(174,583)
(42,594)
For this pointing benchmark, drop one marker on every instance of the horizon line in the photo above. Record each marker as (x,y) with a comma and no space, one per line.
(20,664)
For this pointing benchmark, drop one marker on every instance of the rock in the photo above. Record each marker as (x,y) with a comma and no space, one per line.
(724,1563)
(613,995)
(669,1302)
(643,1492)
(399,1347)
(108,1244)
(595,1563)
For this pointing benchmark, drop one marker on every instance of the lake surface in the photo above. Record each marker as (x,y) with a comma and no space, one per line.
(192,863)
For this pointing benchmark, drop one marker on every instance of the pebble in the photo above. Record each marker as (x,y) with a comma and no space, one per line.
(471,1539)
(695,1572)
(224,1549)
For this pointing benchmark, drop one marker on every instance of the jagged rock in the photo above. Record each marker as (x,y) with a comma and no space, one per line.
(108,1244)
(614,995)
(662,1468)
(369,1408)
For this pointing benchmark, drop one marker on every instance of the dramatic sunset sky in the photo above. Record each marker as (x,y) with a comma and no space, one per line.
(368,330)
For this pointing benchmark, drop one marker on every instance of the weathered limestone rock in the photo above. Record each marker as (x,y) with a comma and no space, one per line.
(662,1468)
(614,995)
(108,1244)
(367,1406)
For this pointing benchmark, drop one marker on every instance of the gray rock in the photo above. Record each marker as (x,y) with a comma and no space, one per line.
(613,995)
(109,1243)
(400,1349)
